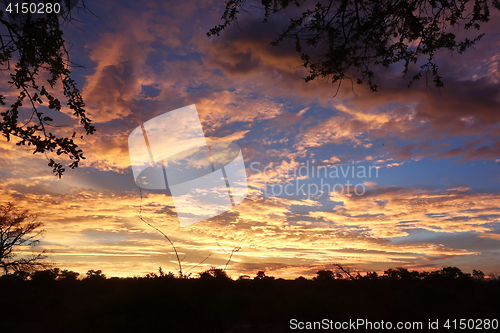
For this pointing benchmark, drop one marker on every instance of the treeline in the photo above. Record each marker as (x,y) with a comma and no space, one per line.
(399,273)
(56,300)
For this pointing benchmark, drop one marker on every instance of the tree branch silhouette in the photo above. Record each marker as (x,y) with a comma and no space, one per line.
(18,229)
(341,40)
(181,274)
(344,270)
(38,49)
(235,249)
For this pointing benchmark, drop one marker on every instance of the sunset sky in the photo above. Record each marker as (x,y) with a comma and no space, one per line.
(433,198)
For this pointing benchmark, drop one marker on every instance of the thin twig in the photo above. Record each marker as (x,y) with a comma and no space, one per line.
(161,232)
(199,263)
(235,249)
(339,266)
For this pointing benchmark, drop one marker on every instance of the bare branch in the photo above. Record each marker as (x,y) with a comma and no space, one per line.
(163,234)
(18,229)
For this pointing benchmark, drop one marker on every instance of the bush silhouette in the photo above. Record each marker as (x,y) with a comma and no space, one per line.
(216,303)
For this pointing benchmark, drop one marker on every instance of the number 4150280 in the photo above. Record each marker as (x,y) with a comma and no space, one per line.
(471,324)
(33,8)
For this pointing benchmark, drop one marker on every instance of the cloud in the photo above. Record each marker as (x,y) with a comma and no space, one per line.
(121,67)
(392,212)
(468,106)
(490,236)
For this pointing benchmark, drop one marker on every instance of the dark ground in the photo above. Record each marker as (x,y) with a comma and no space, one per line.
(213,304)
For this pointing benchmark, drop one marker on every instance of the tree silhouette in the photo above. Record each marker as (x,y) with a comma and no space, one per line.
(95,275)
(34,53)
(209,304)
(214,273)
(19,229)
(449,273)
(324,276)
(371,275)
(477,274)
(401,273)
(343,272)
(45,276)
(346,39)
(260,275)
(66,275)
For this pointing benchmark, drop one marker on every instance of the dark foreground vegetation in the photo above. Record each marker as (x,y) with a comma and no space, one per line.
(59,301)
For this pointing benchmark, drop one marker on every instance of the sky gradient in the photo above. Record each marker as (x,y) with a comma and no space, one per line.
(432,198)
